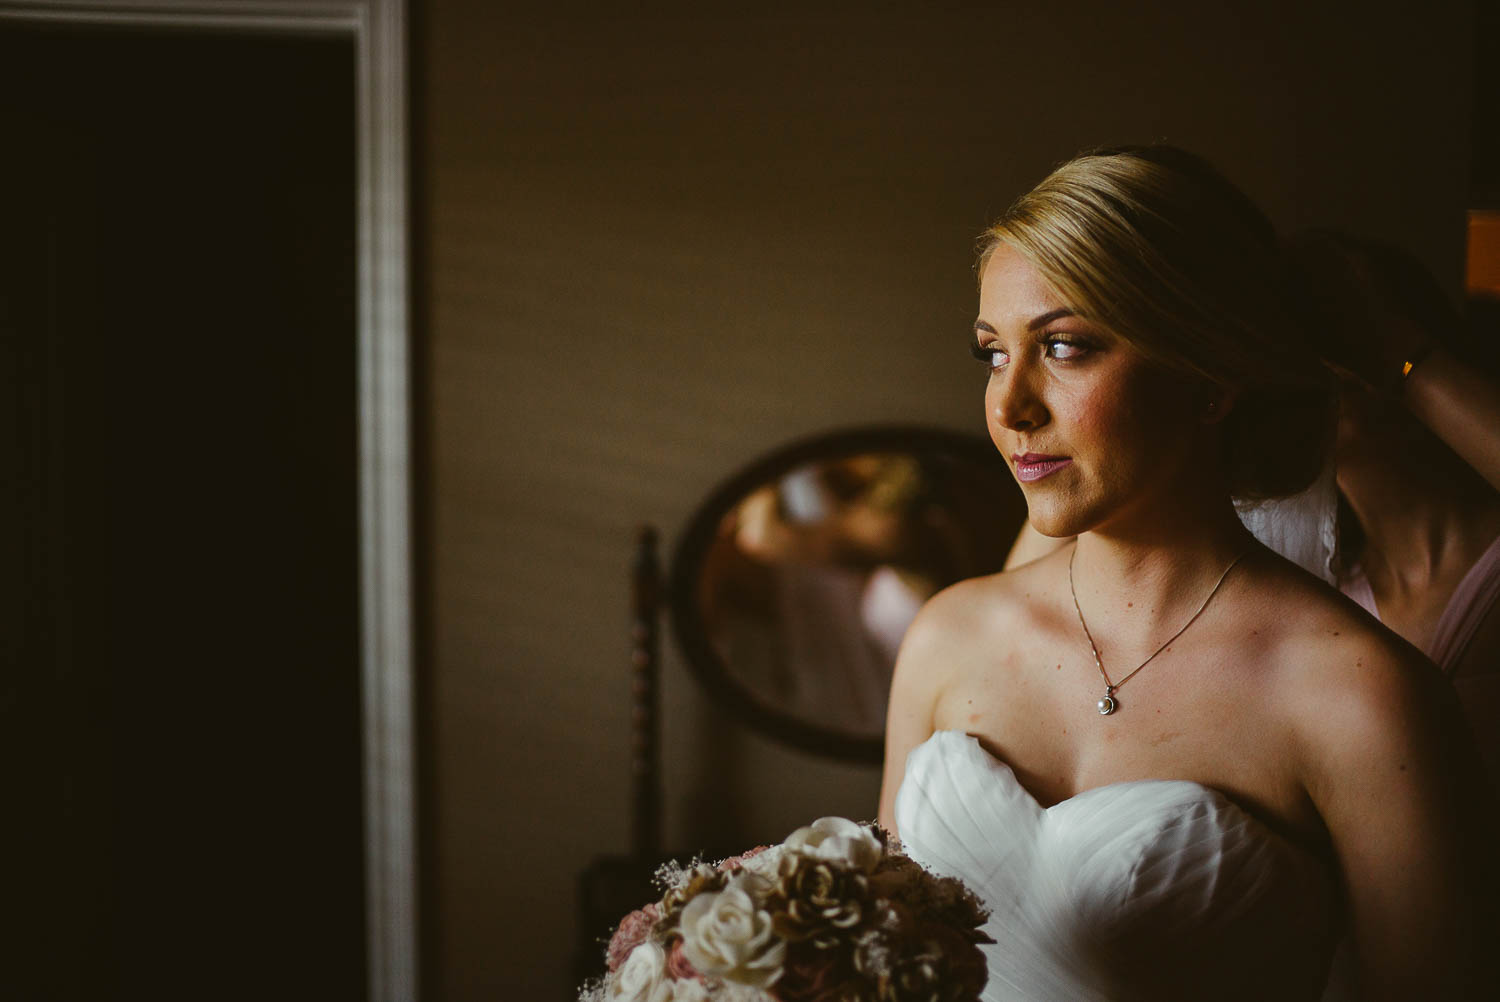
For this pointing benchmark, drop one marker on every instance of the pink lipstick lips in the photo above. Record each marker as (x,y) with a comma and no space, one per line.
(1033,466)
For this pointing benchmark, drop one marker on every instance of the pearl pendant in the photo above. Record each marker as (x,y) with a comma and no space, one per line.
(1107,705)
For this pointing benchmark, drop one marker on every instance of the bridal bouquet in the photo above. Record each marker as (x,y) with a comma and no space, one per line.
(836,913)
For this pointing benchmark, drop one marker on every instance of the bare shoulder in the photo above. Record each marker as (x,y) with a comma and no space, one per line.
(956,617)
(960,632)
(940,644)
(1351,692)
(972,627)
(1382,755)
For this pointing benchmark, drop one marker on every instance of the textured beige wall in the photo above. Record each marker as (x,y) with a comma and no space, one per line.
(656,245)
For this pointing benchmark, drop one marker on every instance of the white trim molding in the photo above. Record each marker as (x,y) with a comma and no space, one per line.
(378,30)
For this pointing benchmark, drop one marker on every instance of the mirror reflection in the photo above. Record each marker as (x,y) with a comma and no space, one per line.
(813,575)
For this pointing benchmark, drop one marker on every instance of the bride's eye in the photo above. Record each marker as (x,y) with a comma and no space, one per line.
(993,358)
(1065,349)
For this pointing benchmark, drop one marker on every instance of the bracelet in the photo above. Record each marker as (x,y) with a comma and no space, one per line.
(1416,359)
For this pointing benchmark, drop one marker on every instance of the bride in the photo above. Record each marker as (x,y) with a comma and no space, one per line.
(1174,764)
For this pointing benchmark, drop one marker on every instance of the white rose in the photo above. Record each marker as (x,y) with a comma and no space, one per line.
(728,991)
(729,935)
(642,976)
(765,863)
(684,991)
(839,840)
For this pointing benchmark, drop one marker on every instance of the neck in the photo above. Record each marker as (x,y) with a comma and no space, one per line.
(1141,579)
(1418,520)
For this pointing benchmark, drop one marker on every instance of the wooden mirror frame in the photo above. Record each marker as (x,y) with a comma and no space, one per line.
(703,659)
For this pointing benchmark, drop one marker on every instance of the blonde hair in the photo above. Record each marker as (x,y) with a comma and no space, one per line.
(1154,245)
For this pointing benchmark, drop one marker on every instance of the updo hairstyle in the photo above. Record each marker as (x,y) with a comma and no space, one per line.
(1154,245)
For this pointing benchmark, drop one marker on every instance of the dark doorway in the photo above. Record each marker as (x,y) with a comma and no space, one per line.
(180,692)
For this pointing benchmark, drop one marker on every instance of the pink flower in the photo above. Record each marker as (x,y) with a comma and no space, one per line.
(679,968)
(633,930)
(735,862)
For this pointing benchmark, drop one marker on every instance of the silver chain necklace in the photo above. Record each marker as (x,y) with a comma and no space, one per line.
(1108,705)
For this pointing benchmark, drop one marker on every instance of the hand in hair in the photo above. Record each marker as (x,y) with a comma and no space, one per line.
(1379,309)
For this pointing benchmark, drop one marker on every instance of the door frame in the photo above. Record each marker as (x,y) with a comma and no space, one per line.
(378,31)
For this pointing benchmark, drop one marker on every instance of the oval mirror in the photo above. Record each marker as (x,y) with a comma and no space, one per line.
(793,584)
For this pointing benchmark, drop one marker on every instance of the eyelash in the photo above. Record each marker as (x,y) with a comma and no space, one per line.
(987,356)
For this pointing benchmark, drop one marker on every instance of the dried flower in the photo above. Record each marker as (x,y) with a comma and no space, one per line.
(816,899)
(838,913)
(939,964)
(900,878)
(701,879)
(816,975)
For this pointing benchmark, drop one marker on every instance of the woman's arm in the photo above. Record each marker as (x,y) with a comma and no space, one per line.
(916,686)
(908,723)
(1388,769)
(1461,407)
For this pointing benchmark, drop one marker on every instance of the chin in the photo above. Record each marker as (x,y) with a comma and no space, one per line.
(1058,521)
(1063,512)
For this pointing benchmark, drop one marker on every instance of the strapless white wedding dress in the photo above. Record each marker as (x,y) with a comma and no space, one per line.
(1155,889)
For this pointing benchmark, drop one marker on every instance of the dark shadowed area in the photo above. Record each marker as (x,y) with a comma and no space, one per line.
(177,351)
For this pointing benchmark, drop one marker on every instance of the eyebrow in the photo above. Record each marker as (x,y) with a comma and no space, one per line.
(1041,321)
(1047,318)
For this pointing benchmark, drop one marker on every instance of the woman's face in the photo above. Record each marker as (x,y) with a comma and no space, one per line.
(1093,432)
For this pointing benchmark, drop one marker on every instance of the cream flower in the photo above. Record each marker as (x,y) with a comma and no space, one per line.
(728,991)
(765,864)
(683,991)
(838,840)
(729,935)
(642,977)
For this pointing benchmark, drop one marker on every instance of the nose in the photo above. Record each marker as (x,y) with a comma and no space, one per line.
(1014,398)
